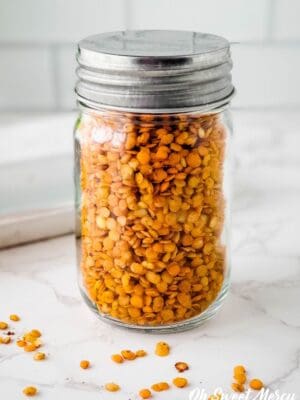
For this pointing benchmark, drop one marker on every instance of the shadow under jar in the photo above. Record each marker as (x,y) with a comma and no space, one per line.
(151,173)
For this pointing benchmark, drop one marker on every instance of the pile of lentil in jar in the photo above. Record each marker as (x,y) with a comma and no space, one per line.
(152,214)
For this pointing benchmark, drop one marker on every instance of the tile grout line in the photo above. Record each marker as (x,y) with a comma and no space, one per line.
(55,76)
(128,25)
(127,14)
(270,26)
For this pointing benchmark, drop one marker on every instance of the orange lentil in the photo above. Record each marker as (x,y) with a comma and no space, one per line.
(237,387)
(5,339)
(30,391)
(29,338)
(239,369)
(162,349)
(21,343)
(143,156)
(14,317)
(240,378)
(84,364)
(37,343)
(145,394)
(3,325)
(193,160)
(112,387)
(35,333)
(39,356)
(181,366)
(173,269)
(180,382)
(117,358)
(140,353)
(152,207)
(256,384)
(128,355)
(162,153)
(160,386)
(29,347)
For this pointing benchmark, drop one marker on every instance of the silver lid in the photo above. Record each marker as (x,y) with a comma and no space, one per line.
(154,71)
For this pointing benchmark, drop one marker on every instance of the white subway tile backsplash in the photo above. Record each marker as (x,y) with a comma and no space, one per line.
(66,65)
(26,79)
(41,21)
(266,76)
(237,20)
(286,19)
(37,44)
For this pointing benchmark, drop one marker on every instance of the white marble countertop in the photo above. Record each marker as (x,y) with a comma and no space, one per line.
(258,326)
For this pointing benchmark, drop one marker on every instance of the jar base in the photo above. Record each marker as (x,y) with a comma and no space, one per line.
(179,326)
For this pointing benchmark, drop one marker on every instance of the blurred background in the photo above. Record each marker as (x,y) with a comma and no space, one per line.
(37,102)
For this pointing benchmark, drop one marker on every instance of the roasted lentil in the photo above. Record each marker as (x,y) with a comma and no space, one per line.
(239,369)
(35,333)
(240,378)
(237,387)
(256,384)
(128,355)
(14,317)
(162,349)
(152,214)
(112,387)
(117,358)
(84,364)
(5,339)
(145,394)
(3,325)
(30,340)
(181,366)
(180,382)
(140,353)
(30,391)
(30,347)
(39,356)
(160,386)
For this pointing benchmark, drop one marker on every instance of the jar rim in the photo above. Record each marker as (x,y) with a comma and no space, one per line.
(86,104)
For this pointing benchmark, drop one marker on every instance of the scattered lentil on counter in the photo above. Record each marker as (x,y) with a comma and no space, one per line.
(141,353)
(30,391)
(3,325)
(14,317)
(180,382)
(237,387)
(160,386)
(29,347)
(145,394)
(39,356)
(256,384)
(239,369)
(112,387)
(117,358)
(128,355)
(181,366)
(84,364)
(5,339)
(240,378)
(162,349)
(31,340)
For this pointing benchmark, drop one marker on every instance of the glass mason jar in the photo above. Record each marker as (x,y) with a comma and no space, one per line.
(151,173)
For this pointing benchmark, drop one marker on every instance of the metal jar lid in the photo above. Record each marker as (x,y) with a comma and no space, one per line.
(154,71)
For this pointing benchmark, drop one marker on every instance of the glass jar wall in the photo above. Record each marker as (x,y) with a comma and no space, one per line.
(152,209)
